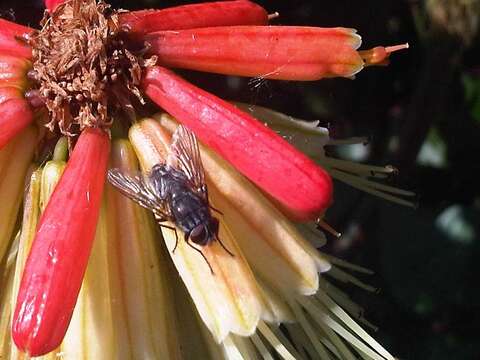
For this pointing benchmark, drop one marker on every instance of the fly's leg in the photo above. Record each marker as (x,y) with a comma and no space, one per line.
(224,247)
(176,235)
(187,237)
(216,210)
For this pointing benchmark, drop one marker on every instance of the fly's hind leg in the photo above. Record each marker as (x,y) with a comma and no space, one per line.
(187,237)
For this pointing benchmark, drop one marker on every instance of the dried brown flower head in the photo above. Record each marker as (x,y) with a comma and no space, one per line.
(85,66)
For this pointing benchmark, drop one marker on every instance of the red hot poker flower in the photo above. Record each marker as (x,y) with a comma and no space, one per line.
(224,37)
(271,52)
(58,258)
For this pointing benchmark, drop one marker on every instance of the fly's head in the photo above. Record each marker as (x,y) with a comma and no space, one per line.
(205,233)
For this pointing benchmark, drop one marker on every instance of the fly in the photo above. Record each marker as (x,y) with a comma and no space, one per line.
(175,191)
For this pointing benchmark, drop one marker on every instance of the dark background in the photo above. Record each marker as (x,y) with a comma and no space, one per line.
(422,114)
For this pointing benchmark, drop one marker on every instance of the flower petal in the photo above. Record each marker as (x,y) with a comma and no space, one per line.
(270,52)
(224,13)
(302,188)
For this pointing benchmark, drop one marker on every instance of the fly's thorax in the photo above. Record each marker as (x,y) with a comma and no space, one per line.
(188,208)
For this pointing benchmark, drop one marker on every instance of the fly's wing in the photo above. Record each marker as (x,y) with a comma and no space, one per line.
(138,190)
(184,156)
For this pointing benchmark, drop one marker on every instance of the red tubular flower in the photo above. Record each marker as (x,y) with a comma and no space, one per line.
(15,115)
(58,258)
(13,70)
(8,93)
(272,52)
(15,112)
(52,4)
(10,39)
(224,13)
(291,178)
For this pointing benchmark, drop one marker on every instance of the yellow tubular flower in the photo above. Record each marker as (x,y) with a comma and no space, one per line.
(12,175)
(229,300)
(311,139)
(6,280)
(286,268)
(271,243)
(110,321)
(90,334)
(41,185)
(141,296)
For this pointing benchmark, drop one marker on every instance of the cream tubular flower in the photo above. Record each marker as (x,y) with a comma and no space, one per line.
(272,244)
(308,137)
(140,292)
(286,267)
(12,175)
(119,313)
(229,299)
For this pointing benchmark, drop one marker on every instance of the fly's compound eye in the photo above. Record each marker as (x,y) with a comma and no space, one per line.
(199,235)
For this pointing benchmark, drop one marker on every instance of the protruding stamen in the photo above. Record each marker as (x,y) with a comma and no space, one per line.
(379,55)
(274,15)
(322,224)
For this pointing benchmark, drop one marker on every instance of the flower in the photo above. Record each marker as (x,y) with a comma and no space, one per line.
(83,76)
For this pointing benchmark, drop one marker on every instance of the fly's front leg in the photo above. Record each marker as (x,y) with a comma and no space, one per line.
(187,237)
(176,235)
